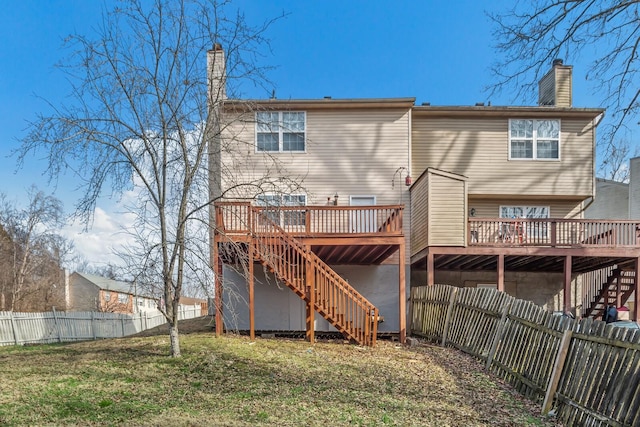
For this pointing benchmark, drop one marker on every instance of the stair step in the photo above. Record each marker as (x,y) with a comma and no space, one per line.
(296,281)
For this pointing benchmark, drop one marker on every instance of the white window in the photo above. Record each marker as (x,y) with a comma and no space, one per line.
(107,296)
(524,211)
(287,217)
(140,302)
(280,131)
(534,139)
(529,230)
(123,298)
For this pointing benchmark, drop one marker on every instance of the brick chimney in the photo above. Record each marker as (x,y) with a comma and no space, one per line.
(555,88)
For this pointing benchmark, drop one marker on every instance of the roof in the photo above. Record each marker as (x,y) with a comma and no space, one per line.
(318,104)
(478,110)
(108,284)
(505,111)
(191,301)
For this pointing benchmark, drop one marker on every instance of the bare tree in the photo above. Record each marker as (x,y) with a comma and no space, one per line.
(605,32)
(32,253)
(138,120)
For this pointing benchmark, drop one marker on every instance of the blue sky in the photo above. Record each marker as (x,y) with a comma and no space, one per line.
(437,51)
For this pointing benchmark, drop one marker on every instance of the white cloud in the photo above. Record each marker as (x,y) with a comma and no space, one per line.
(106,235)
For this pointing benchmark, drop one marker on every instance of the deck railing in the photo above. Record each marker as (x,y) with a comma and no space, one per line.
(300,269)
(552,232)
(233,217)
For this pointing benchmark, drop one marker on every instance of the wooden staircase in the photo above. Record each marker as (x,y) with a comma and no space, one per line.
(313,280)
(619,280)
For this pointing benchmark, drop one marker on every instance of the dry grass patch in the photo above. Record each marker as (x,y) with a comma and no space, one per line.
(232,381)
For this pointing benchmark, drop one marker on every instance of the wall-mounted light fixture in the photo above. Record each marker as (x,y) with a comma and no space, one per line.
(335,199)
(472,212)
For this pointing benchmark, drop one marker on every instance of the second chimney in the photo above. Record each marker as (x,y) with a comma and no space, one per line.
(555,88)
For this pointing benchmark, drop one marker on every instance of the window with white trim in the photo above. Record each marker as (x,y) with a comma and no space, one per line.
(123,298)
(534,229)
(280,131)
(534,139)
(107,296)
(287,217)
(524,211)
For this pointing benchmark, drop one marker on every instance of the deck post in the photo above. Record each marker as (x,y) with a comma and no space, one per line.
(252,317)
(217,269)
(310,306)
(500,280)
(402,293)
(567,284)
(636,267)
(430,272)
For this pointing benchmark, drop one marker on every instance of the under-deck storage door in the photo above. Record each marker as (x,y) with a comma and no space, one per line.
(363,220)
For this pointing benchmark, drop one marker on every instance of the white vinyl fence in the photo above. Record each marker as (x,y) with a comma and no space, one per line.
(61,326)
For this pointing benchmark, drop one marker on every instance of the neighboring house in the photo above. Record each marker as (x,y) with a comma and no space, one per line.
(88,292)
(620,201)
(318,197)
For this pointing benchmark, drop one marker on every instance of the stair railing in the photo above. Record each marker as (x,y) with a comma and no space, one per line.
(334,298)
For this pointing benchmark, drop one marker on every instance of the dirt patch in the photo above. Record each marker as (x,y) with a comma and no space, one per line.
(202,324)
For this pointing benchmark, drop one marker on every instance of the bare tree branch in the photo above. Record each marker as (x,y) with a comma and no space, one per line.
(532,34)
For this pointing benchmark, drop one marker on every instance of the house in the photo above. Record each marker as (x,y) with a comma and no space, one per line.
(621,201)
(88,292)
(348,202)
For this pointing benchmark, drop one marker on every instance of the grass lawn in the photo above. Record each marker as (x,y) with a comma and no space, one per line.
(232,381)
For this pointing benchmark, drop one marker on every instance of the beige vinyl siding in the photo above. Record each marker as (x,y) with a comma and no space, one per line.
(438,204)
(555,87)
(420,215)
(478,148)
(563,87)
(546,89)
(447,211)
(351,152)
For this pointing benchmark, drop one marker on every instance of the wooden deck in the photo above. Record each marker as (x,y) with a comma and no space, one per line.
(356,235)
(297,244)
(553,232)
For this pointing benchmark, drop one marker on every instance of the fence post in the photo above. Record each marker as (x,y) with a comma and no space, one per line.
(14,328)
(55,322)
(554,380)
(498,336)
(93,327)
(122,322)
(447,321)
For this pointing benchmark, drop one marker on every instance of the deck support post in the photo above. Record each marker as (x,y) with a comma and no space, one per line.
(252,316)
(217,269)
(636,297)
(402,293)
(567,284)
(500,280)
(310,306)
(430,272)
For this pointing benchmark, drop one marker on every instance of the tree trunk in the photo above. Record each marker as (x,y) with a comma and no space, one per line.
(175,341)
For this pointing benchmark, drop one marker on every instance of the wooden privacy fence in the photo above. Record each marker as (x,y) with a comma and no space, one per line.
(588,370)
(61,326)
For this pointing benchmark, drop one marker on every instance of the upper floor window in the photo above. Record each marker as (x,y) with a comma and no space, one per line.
(123,298)
(280,131)
(534,139)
